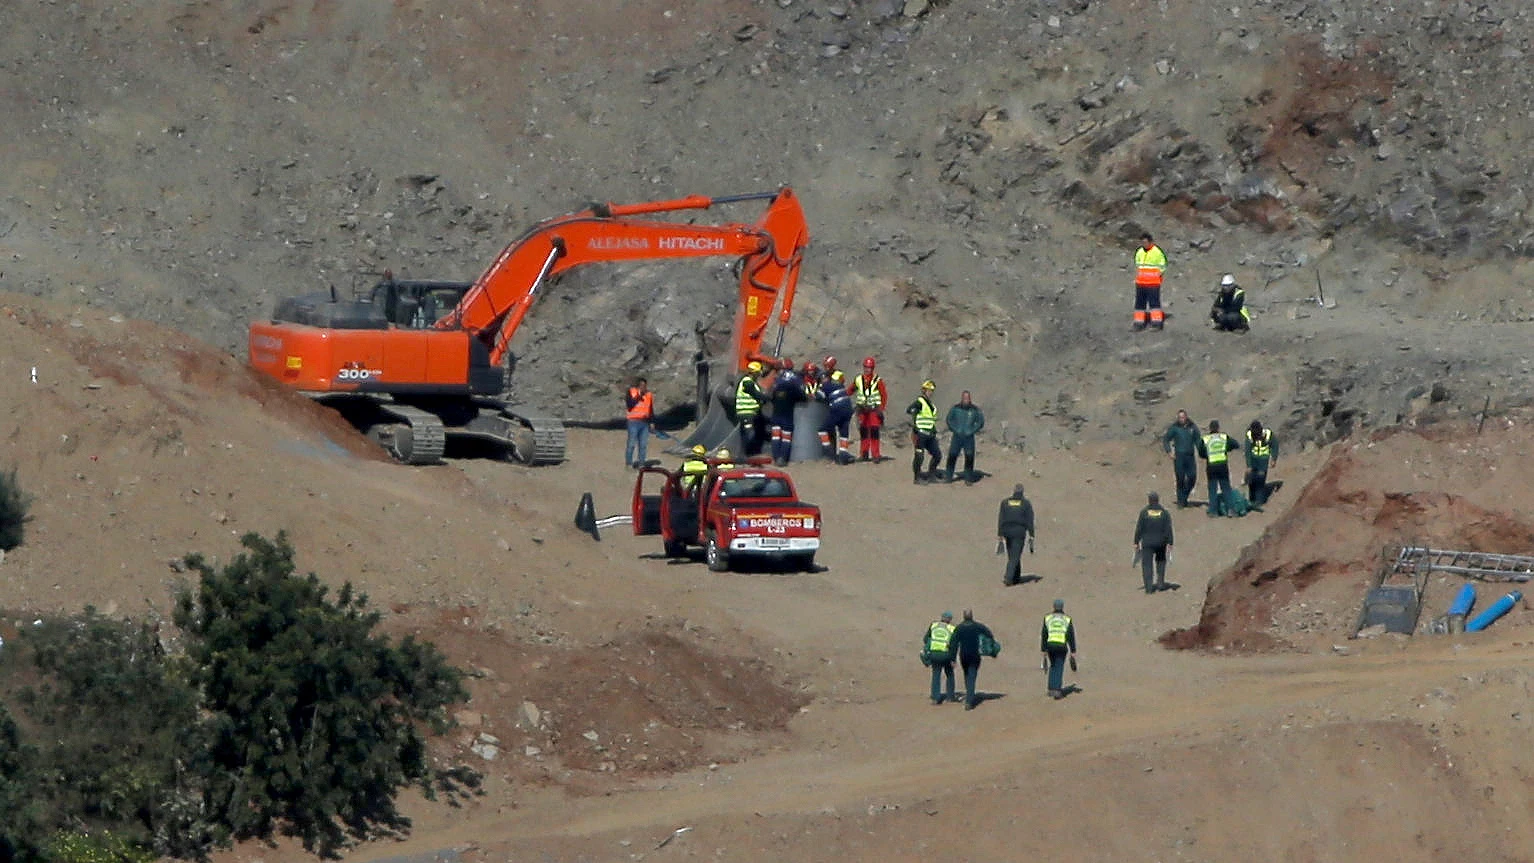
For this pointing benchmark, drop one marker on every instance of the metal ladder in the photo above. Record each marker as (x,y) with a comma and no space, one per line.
(1472,564)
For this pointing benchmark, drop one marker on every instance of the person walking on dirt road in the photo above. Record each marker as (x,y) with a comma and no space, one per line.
(640,403)
(1150,265)
(1215,449)
(1153,542)
(1181,442)
(1057,641)
(966,638)
(1261,451)
(964,421)
(938,649)
(1014,526)
(924,433)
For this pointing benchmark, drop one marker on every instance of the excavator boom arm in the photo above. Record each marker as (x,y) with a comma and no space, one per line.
(770,250)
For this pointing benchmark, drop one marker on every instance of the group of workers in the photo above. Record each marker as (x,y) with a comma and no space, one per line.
(1228,313)
(1184,443)
(944,642)
(767,394)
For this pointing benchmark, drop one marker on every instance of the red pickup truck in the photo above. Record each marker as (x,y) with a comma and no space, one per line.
(746,512)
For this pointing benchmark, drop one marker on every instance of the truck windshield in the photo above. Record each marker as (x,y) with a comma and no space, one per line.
(756,486)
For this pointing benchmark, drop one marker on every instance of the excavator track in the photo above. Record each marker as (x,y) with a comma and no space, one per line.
(545,442)
(426,439)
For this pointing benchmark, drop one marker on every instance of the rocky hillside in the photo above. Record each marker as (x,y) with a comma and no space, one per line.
(974,173)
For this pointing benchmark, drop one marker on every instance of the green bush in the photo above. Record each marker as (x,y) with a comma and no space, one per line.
(72,846)
(315,721)
(14,507)
(121,724)
(19,821)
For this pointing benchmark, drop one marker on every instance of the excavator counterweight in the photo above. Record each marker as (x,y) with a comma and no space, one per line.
(414,364)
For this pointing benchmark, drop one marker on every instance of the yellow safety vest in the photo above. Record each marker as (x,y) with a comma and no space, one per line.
(865,392)
(926,416)
(1057,626)
(694,467)
(746,406)
(838,376)
(1148,267)
(1216,444)
(939,634)
(1260,448)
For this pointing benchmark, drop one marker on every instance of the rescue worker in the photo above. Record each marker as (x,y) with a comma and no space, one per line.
(833,373)
(640,403)
(722,461)
(1228,313)
(1057,640)
(1153,542)
(1150,265)
(869,398)
(1014,526)
(749,399)
(937,643)
(1215,449)
(964,421)
(1261,451)
(836,429)
(924,433)
(787,393)
(811,375)
(694,468)
(1181,442)
(966,640)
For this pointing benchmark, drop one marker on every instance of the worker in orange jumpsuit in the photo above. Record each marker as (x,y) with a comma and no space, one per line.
(869,398)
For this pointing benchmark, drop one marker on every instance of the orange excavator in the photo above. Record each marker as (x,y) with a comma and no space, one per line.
(415,363)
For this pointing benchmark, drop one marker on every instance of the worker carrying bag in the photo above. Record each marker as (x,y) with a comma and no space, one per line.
(989,646)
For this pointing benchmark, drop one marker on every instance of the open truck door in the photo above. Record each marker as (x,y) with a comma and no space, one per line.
(649,493)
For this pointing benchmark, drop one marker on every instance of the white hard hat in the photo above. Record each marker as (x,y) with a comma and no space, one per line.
(1227,280)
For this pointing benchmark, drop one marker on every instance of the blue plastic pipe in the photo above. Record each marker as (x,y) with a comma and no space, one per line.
(1490,615)
(1464,601)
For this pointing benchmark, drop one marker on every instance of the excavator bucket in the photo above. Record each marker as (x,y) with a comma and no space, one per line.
(716,426)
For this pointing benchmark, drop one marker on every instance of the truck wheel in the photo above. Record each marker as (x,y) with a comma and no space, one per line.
(718,559)
(676,548)
(803,562)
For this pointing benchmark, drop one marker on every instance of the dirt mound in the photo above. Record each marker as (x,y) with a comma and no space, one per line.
(660,700)
(1307,574)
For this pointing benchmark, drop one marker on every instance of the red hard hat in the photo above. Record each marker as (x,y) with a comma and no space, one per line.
(830,363)
(785,363)
(868,362)
(810,368)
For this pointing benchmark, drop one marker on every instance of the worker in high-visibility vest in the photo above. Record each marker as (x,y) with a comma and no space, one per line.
(641,417)
(869,398)
(694,469)
(1215,449)
(1228,312)
(938,653)
(1261,451)
(749,400)
(1150,265)
(1057,641)
(924,433)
